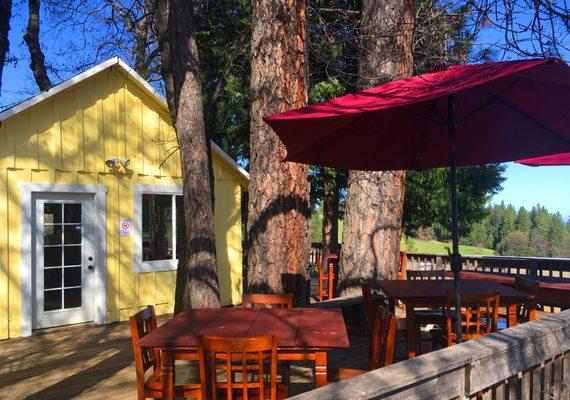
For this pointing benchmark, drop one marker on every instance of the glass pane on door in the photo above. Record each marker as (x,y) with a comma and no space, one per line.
(63,255)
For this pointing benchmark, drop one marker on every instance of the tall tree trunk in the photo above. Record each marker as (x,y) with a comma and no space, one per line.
(197,281)
(32,39)
(330,211)
(5,15)
(374,206)
(278,217)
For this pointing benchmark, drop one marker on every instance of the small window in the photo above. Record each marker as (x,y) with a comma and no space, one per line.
(157,227)
(160,227)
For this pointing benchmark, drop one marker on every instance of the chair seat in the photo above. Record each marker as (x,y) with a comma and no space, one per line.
(153,387)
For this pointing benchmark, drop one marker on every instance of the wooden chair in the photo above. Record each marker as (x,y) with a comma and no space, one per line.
(526,311)
(267,301)
(272,301)
(381,346)
(142,323)
(426,316)
(435,274)
(326,276)
(239,368)
(479,314)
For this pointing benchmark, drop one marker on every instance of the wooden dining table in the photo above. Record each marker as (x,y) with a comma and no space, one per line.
(433,294)
(544,282)
(302,334)
(552,291)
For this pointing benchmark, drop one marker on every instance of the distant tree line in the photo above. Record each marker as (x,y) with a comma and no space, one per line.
(512,232)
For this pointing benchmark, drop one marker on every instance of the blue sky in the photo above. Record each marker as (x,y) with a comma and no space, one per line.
(528,186)
(524,186)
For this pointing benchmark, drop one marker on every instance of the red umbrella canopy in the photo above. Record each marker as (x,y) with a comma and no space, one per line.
(501,111)
(556,159)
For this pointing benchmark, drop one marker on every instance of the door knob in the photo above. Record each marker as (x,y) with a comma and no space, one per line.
(90,258)
(90,267)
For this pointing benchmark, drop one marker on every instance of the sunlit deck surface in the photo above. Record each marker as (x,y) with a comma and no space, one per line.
(96,362)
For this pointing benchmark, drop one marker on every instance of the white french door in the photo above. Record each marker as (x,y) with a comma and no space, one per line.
(64,259)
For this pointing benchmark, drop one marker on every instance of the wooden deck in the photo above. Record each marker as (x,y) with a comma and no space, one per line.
(96,362)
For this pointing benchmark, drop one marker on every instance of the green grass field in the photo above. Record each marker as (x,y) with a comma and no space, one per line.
(413,245)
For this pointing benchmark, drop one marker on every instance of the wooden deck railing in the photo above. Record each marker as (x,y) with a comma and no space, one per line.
(536,266)
(527,361)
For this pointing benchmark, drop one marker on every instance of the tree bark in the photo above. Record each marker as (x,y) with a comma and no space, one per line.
(374,206)
(32,39)
(197,280)
(278,216)
(5,15)
(330,211)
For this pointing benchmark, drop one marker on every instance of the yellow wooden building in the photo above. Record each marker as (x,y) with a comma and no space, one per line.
(90,204)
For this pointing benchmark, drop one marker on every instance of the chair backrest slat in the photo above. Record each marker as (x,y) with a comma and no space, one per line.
(368,305)
(241,358)
(267,301)
(435,274)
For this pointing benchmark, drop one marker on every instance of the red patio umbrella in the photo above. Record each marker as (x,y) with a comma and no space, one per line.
(555,159)
(462,115)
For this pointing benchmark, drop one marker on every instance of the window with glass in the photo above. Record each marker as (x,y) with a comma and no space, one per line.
(62,266)
(162,226)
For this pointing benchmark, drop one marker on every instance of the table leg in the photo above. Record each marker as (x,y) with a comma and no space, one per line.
(511,315)
(320,369)
(411,330)
(167,361)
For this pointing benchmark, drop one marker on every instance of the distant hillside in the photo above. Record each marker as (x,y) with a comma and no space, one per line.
(409,244)
(413,245)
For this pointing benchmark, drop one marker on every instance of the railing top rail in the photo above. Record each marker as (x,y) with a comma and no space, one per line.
(514,258)
(460,370)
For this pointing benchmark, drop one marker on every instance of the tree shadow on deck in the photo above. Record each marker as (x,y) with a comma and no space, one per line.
(70,387)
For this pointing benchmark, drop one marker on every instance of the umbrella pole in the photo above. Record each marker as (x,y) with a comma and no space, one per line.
(455,256)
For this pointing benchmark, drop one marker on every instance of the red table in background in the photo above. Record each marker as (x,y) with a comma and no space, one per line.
(544,282)
(552,291)
(433,294)
(302,334)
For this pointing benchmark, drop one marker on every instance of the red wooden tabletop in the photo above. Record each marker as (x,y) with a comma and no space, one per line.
(438,289)
(545,282)
(294,327)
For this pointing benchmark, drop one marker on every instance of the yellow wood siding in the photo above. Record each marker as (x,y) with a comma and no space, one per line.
(66,139)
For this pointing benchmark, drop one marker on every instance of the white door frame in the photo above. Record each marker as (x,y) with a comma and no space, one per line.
(26,260)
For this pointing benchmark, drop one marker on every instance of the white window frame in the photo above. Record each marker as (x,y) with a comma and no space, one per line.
(140,266)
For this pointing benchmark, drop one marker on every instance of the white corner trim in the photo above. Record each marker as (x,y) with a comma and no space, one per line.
(140,266)
(26,193)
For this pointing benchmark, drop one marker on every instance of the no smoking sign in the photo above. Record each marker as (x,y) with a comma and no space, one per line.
(125,227)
